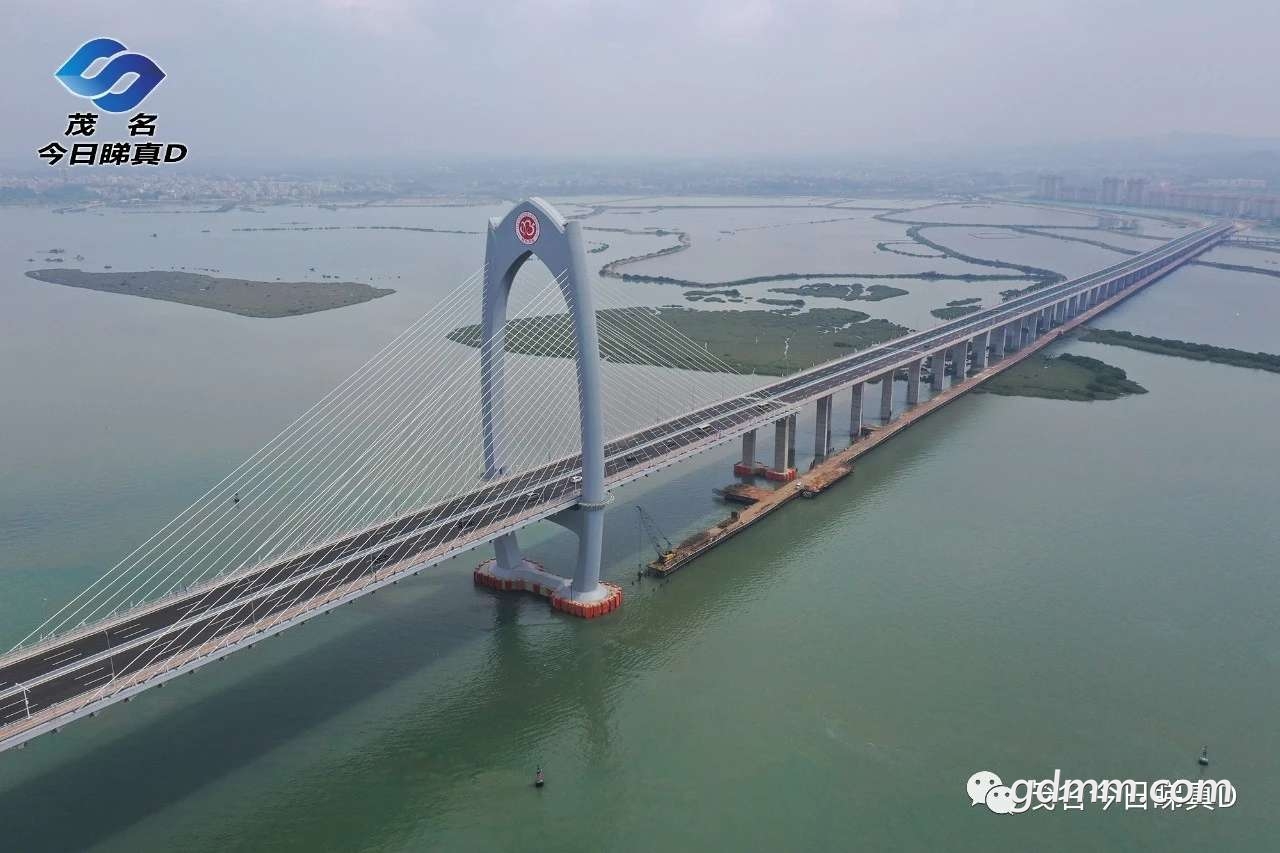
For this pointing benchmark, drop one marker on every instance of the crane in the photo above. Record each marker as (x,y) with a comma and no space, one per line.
(661,544)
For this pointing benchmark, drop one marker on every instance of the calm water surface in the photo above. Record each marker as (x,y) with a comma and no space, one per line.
(1015,585)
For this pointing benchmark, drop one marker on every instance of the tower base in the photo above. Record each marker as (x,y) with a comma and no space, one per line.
(532,577)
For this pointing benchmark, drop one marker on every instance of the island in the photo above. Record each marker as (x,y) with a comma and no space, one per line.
(1065,377)
(958,308)
(846,292)
(1185,349)
(771,343)
(263,299)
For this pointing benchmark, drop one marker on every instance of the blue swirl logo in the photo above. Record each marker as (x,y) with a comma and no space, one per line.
(119,65)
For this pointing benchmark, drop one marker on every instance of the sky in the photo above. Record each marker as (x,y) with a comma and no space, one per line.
(399,82)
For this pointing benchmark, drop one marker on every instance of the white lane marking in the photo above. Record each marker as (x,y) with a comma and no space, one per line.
(63,656)
(131,631)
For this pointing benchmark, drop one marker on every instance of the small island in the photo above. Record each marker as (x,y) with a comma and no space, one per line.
(772,343)
(1065,377)
(847,292)
(1185,349)
(957,308)
(265,299)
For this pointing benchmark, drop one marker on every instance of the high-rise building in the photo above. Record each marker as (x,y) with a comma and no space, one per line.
(1110,190)
(1049,187)
(1135,191)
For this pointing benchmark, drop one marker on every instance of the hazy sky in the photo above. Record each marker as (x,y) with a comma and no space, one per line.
(400,81)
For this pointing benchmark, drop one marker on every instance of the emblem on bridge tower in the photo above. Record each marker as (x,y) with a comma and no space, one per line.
(527,228)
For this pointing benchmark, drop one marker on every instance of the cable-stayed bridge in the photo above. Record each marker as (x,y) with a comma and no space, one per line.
(433,448)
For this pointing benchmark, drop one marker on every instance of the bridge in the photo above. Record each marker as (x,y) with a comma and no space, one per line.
(1253,241)
(105,647)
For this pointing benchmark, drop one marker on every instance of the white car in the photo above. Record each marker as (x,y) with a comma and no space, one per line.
(576,479)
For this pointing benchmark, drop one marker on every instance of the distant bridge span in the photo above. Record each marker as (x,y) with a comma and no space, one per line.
(77,673)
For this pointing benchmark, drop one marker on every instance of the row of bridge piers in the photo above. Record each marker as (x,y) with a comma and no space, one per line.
(962,360)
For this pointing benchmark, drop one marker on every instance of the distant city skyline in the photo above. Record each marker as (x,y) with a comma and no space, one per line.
(390,82)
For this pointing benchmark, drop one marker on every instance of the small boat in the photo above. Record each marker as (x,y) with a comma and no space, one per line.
(1203,760)
(538,781)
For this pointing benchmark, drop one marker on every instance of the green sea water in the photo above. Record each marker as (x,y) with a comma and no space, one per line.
(1014,585)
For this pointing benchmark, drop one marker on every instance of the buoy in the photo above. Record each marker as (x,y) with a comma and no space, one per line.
(1203,760)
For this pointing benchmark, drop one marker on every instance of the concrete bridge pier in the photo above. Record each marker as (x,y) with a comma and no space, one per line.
(938,371)
(822,428)
(914,370)
(980,344)
(855,413)
(998,336)
(959,359)
(746,466)
(886,397)
(783,451)
(791,441)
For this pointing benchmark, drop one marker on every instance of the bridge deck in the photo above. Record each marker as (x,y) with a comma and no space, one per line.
(67,676)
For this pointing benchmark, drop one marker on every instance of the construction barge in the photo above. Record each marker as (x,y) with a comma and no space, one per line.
(760,502)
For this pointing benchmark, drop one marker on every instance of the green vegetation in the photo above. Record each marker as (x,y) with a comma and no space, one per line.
(684,242)
(696,295)
(847,292)
(1067,377)
(1044,277)
(233,295)
(887,246)
(952,311)
(786,303)
(772,343)
(1051,235)
(794,276)
(1237,268)
(972,300)
(1185,349)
